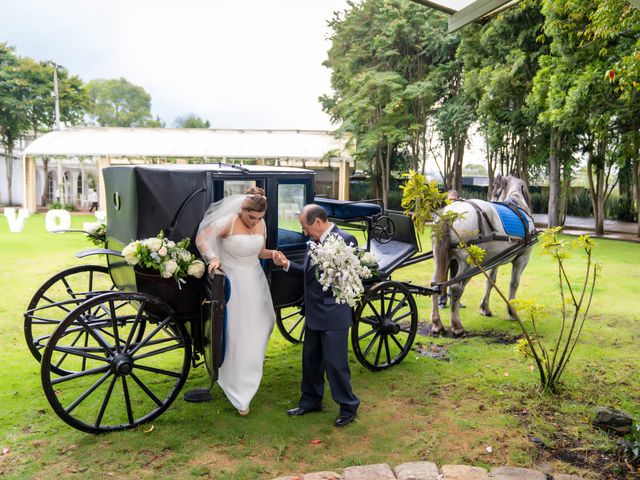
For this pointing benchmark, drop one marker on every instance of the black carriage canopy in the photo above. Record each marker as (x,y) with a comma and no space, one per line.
(144,199)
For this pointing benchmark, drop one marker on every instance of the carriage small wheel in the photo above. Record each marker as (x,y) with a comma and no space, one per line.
(386,321)
(56,298)
(291,323)
(383,229)
(120,381)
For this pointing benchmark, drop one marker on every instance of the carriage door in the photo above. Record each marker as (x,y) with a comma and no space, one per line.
(292,196)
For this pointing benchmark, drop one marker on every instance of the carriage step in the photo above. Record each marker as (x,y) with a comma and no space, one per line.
(198,395)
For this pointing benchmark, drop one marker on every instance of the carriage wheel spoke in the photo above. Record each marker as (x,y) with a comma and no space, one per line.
(377,362)
(393,297)
(295,325)
(393,337)
(43,321)
(401,304)
(301,333)
(77,353)
(101,341)
(114,326)
(159,351)
(375,312)
(365,335)
(75,340)
(369,321)
(70,291)
(160,326)
(103,407)
(373,340)
(73,376)
(386,347)
(55,304)
(87,392)
(157,370)
(127,400)
(146,389)
(297,312)
(134,328)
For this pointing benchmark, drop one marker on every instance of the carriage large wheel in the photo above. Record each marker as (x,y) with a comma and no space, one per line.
(291,323)
(385,326)
(120,381)
(53,301)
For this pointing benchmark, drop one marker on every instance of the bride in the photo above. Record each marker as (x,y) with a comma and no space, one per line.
(232,235)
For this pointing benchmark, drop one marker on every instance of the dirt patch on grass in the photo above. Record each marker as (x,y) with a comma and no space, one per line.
(491,336)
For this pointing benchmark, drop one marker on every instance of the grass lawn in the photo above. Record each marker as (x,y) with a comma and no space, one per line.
(443,410)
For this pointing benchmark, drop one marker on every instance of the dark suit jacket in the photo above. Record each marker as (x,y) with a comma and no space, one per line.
(321,310)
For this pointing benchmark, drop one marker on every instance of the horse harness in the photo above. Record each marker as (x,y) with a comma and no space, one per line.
(515,250)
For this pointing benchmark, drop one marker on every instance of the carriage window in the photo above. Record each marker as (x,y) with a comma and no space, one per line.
(291,199)
(236,187)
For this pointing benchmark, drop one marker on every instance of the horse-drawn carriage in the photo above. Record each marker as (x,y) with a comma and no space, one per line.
(116,345)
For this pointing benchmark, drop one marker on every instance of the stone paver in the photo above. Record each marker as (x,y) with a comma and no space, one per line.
(564,476)
(417,471)
(381,471)
(322,476)
(291,477)
(515,473)
(463,472)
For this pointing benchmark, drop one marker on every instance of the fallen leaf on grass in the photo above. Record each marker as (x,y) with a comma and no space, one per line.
(506,374)
(315,442)
(5,450)
(150,429)
(489,449)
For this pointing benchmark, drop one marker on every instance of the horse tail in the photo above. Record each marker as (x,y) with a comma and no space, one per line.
(441,253)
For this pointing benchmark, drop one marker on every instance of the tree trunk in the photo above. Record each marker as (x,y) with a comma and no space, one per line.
(554,178)
(458,158)
(565,192)
(636,169)
(491,167)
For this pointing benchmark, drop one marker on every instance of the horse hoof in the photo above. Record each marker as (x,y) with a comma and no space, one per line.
(458,334)
(486,313)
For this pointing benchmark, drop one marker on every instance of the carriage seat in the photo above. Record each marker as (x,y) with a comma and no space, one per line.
(391,255)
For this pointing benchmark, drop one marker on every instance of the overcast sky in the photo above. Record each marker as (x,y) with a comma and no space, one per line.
(237,63)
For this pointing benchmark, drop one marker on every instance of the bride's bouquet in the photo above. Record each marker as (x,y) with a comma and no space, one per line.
(168,258)
(342,268)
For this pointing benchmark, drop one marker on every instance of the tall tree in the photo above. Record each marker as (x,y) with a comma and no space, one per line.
(13,112)
(119,103)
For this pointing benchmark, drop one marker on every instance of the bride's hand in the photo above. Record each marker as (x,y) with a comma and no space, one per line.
(213,264)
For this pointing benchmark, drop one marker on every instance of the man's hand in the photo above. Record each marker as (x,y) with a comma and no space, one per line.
(280,259)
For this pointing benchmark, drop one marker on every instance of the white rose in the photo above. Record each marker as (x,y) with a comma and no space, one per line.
(163,251)
(185,256)
(169,268)
(153,244)
(196,268)
(171,244)
(129,253)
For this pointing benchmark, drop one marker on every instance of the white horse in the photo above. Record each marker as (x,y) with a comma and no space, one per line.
(483,225)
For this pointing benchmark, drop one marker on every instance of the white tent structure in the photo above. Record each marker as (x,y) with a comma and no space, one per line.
(109,145)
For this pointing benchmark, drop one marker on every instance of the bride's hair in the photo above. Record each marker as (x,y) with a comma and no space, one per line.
(256,201)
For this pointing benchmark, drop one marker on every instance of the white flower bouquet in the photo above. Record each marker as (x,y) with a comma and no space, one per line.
(342,268)
(168,258)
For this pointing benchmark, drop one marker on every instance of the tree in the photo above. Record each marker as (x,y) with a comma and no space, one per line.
(384,61)
(191,120)
(119,103)
(13,112)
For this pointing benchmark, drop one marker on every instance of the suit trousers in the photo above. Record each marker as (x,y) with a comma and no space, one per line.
(327,350)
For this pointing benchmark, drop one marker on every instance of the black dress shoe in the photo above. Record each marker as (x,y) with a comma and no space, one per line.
(343,420)
(294,412)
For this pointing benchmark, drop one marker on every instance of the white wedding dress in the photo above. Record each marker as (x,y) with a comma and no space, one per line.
(250,318)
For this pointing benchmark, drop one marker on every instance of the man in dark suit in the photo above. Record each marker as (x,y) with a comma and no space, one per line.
(326,338)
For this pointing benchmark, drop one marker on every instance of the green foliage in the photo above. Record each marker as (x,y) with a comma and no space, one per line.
(119,103)
(632,445)
(191,120)
(420,199)
(168,258)
(61,206)
(98,236)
